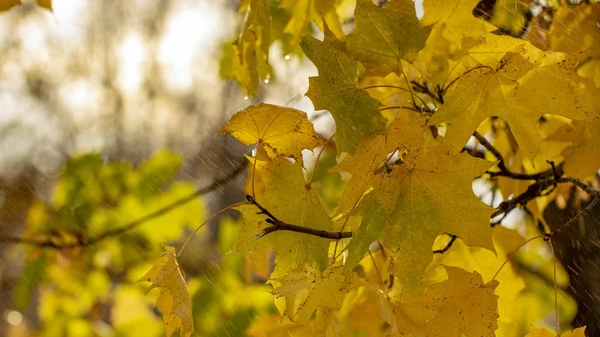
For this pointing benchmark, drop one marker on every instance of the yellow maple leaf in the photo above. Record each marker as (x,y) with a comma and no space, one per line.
(487,264)
(517,89)
(451,17)
(174,300)
(355,112)
(576,30)
(305,289)
(464,304)
(304,12)
(581,155)
(424,197)
(543,332)
(283,131)
(386,35)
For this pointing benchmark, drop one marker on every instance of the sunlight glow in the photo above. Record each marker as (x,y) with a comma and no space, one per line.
(133,58)
(190,30)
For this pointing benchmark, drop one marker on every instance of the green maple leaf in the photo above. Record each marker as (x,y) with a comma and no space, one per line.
(386,35)
(356,114)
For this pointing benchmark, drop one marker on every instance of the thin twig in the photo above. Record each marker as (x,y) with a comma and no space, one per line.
(505,172)
(571,221)
(312,175)
(509,255)
(555,288)
(279,225)
(51,243)
(448,245)
(589,190)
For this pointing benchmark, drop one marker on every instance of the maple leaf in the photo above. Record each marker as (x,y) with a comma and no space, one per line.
(425,197)
(577,31)
(283,180)
(543,332)
(581,159)
(356,114)
(247,59)
(306,11)
(445,43)
(523,86)
(453,16)
(282,131)
(174,300)
(307,289)
(487,264)
(463,305)
(386,35)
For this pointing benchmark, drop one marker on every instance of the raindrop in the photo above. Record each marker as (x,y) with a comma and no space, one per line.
(245,98)
(287,57)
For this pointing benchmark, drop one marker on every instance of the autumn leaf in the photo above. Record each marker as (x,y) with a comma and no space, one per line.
(425,197)
(304,12)
(307,289)
(516,89)
(356,114)
(174,301)
(581,159)
(543,332)
(463,305)
(283,131)
(448,17)
(488,265)
(386,35)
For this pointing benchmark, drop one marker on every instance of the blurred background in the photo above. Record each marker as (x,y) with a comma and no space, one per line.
(129,91)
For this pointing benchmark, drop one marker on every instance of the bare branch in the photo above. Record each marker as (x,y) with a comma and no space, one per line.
(589,190)
(278,225)
(505,172)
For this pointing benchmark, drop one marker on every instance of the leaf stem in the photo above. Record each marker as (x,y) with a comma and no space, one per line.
(312,175)
(509,255)
(206,221)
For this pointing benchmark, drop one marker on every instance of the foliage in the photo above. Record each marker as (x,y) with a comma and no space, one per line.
(410,184)
(383,235)
(174,301)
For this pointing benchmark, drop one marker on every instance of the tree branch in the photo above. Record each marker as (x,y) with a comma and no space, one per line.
(533,191)
(52,243)
(278,225)
(505,172)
